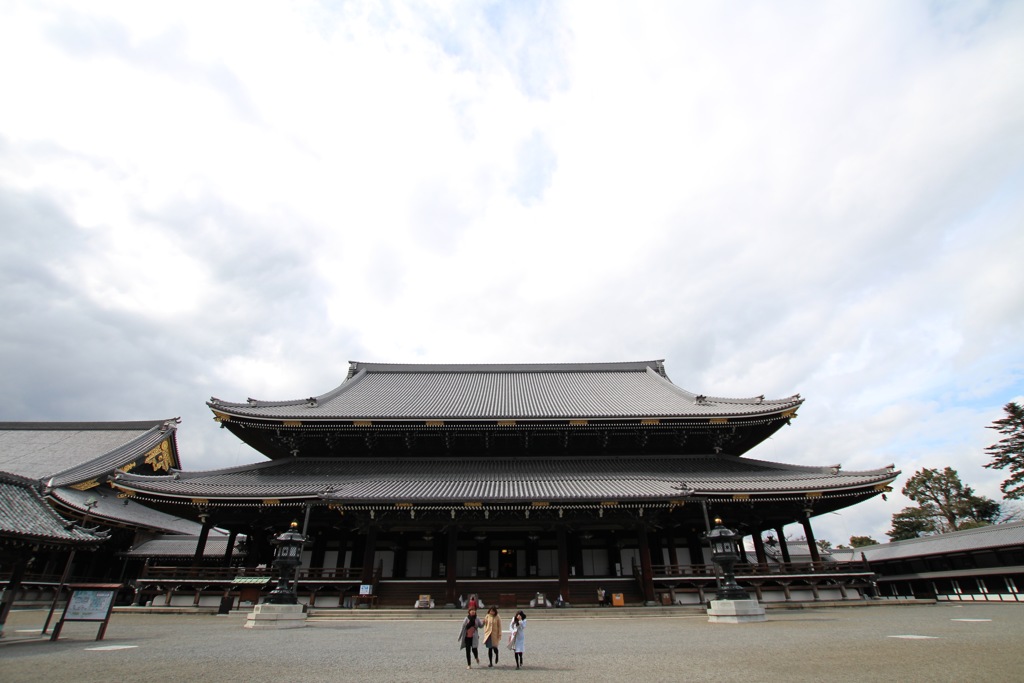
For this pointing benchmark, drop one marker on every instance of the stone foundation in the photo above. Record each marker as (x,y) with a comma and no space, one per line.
(268,616)
(735,612)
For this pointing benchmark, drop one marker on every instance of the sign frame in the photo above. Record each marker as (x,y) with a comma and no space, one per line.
(89,602)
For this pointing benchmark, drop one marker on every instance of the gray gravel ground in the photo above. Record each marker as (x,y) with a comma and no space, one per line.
(852,644)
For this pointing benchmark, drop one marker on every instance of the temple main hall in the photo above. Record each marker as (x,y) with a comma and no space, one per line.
(512,480)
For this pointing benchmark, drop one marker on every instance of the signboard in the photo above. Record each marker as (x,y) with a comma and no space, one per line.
(366,589)
(89,605)
(89,602)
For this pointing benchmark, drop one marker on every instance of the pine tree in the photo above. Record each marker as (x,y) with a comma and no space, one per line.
(944,504)
(1008,453)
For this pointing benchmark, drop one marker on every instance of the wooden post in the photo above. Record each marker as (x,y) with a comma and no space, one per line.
(673,556)
(229,550)
(563,563)
(369,555)
(204,533)
(646,570)
(812,545)
(783,546)
(450,565)
(762,559)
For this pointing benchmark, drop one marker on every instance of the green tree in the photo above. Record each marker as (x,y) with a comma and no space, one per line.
(861,541)
(944,503)
(1008,452)
(911,523)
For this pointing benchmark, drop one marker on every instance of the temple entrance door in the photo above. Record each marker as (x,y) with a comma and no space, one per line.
(507,566)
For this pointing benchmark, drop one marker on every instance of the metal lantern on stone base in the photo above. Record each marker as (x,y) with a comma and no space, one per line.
(723,553)
(289,553)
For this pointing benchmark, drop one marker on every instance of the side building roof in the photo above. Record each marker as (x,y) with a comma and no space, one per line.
(181,547)
(71,461)
(26,519)
(381,391)
(67,453)
(982,538)
(103,505)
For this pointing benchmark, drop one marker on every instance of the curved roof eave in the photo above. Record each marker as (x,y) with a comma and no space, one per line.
(119,457)
(538,402)
(416,479)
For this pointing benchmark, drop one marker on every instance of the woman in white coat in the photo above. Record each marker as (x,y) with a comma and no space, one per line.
(517,636)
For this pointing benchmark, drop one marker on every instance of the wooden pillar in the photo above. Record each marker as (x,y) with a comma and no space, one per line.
(673,556)
(204,533)
(230,548)
(450,566)
(783,546)
(646,570)
(563,563)
(614,556)
(575,554)
(483,555)
(438,546)
(532,559)
(812,545)
(400,566)
(369,555)
(762,559)
(13,587)
(358,546)
(254,545)
(696,549)
(318,551)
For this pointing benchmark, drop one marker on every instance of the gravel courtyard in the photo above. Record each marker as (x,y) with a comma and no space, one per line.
(927,643)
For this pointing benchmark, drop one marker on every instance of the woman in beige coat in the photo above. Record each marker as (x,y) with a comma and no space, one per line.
(492,635)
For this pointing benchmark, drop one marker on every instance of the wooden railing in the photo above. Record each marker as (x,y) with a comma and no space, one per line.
(154,573)
(31,579)
(750,569)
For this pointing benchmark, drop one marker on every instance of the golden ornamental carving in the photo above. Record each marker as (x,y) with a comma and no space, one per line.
(160,458)
(86,485)
(129,467)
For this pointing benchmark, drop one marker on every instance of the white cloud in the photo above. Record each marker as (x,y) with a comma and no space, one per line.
(237,199)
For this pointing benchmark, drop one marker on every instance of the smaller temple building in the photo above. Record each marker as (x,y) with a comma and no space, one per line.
(985,564)
(69,466)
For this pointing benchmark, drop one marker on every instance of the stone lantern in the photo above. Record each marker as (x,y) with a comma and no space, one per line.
(723,553)
(282,608)
(732,604)
(289,551)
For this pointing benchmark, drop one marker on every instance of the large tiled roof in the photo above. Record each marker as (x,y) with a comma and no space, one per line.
(993,536)
(110,509)
(61,453)
(502,479)
(379,391)
(179,546)
(26,517)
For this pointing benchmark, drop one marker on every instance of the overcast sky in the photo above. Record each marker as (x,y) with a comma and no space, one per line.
(235,199)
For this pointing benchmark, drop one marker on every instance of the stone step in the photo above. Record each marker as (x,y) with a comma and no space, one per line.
(532,613)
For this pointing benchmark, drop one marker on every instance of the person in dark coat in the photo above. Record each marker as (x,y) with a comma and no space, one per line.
(469,637)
